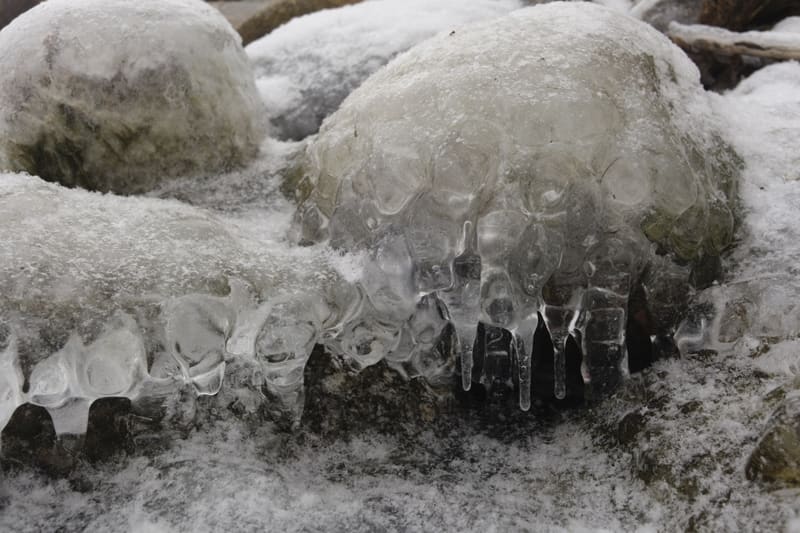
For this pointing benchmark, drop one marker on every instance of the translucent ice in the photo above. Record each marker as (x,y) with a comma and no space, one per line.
(543,164)
(305,68)
(104,296)
(117,95)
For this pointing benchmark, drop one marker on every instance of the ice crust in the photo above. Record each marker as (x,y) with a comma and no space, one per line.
(305,68)
(104,296)
(539,166)
(115,95)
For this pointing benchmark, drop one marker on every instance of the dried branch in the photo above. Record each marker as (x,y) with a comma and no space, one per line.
(772,45)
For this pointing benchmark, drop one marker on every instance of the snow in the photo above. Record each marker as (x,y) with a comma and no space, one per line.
(546,472)
(788,25)
(305,68)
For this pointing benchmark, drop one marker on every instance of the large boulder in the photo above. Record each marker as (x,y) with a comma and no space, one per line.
(547,162)
(115,96)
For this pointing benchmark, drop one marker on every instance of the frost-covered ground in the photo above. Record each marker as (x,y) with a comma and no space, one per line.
(666,453)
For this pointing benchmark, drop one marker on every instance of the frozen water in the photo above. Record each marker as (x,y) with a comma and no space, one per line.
(758,303)
(97,290)
(305,68)
(173,95)
(526,167)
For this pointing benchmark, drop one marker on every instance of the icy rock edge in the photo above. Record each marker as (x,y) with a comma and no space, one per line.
(531,171)
(173,96)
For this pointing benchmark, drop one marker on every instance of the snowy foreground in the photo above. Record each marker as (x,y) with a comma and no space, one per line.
(667,452)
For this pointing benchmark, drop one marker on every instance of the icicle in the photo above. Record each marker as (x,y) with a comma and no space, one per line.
(558,320)
(465,342)
(603,336)
(523,347)
(463,305)
(71,417)
(11,379)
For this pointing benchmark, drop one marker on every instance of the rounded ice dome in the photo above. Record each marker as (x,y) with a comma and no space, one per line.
(540,165)
(114,95)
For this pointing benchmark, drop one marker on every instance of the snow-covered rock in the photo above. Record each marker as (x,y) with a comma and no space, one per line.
(116,96)
(541,158)
(305,68)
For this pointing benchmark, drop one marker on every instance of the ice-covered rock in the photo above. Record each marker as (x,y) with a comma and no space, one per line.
(305,68)
(117,95)
(104,296)
(538,166)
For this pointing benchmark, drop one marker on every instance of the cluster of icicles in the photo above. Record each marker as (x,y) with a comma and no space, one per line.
(273,340)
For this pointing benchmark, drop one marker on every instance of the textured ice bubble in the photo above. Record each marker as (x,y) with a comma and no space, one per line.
(537,167)
(116,96)
(305,68)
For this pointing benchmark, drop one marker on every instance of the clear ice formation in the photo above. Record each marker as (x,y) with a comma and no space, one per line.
(173,96)
(534,168)
(521,174)
(107,296)
(305,68)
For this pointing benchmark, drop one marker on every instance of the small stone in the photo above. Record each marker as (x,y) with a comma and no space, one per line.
(629,427)
(777,454)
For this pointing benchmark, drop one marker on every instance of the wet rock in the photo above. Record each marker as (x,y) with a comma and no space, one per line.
(777,454)
(630,426)
(378,398)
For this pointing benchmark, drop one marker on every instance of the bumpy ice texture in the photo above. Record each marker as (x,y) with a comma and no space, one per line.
(115,95)
(305,68)
(104,296)
(540,166)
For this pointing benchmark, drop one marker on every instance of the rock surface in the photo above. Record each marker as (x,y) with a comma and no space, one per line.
(777,454)
(117,96)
